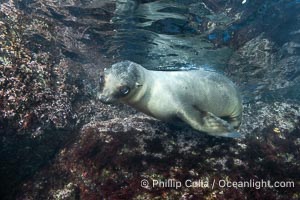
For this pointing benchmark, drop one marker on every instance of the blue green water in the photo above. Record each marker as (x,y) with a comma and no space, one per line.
(255,43)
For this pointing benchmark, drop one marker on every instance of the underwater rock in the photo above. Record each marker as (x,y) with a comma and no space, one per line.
(264,71)
(282,115)
(68,192)
(44,95)
(110,158)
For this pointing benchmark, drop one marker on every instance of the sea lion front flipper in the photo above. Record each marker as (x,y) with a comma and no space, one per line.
(209,123)
(219,126)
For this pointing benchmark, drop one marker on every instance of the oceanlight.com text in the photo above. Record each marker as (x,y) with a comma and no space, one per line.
(205,183)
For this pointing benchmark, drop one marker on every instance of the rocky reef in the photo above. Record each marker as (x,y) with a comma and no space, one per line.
(44,94)
(58,142)
(111,159)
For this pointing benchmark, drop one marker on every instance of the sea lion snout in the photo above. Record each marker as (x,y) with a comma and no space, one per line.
(104,99)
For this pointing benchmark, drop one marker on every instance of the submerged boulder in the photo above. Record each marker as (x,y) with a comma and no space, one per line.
(111,159)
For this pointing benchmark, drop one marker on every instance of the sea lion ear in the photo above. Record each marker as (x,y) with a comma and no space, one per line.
(137,84)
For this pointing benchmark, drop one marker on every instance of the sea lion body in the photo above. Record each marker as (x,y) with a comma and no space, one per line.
(207,101)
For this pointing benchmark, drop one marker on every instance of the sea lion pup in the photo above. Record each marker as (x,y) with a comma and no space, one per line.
(207,101)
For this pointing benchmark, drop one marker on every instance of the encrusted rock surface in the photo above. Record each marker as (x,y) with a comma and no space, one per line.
(44,94)
(109,159)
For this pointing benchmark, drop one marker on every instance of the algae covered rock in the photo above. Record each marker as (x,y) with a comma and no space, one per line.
(141,158)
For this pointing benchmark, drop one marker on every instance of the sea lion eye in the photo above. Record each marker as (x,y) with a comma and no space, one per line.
(101,80)
(124,90)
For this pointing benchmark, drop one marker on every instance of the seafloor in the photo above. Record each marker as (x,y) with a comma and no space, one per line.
(58,142)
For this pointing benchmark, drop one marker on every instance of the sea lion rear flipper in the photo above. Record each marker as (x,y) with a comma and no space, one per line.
(209,123)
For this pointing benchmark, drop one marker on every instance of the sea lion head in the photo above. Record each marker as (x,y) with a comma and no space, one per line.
(119,82)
